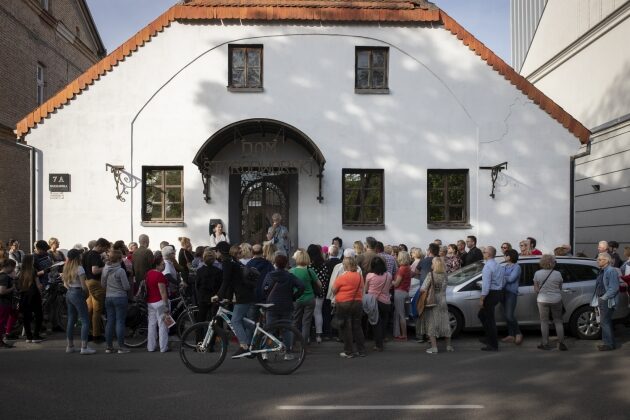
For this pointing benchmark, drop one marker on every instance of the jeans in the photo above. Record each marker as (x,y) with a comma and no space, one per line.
(272,317)
(400,318)
(95,304)
(486,316)
(116,316)
(303,317)
(556,312)
(384,311)
(243,330)
(605,321)
(75,300)
(350,314)
(509,305)
(318,315)
(156,311)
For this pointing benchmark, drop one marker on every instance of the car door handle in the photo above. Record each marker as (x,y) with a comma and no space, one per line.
(568,290)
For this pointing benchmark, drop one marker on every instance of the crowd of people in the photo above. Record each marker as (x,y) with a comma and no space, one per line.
(347,294)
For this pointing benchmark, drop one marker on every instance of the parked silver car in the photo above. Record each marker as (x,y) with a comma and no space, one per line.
(579,275)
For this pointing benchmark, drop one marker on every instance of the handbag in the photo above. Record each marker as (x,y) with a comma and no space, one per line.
(316,289)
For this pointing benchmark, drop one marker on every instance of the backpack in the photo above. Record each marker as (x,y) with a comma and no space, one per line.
(250,275)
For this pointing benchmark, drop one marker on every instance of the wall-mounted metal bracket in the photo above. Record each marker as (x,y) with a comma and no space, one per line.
(123,180)
(496,169)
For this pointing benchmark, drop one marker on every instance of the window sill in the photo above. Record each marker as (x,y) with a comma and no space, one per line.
(163,224)
(371,91)
(377,226)
(245,90)
(449,226)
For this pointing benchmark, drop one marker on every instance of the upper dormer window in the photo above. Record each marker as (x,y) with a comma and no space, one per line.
(245,67)
(371,69)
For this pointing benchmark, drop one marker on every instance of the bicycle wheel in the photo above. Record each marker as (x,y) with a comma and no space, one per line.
(282,359)
(202,359)
(137,336)
(185,320)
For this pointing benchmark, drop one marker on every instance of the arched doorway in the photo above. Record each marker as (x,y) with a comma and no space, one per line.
(263,160)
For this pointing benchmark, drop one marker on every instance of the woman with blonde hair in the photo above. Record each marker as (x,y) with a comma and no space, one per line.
(246,253)
(525,249)
(74,280)
(55,254)
(358,247)
(304,307)
(269,251)
(435,318)
(185,258)
(31,299)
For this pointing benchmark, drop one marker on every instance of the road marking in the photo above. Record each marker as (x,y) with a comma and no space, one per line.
(381,407)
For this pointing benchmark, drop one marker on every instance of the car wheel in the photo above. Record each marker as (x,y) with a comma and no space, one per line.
(584,324)
(455,320)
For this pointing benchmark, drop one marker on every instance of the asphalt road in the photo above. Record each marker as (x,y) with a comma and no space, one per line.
(41,381)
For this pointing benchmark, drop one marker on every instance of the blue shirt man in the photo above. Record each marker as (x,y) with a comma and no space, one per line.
(492,277)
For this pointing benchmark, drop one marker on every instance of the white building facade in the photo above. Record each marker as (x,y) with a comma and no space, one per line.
(385,120)
(579,57)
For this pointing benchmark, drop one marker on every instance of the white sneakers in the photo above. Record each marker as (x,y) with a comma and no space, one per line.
(88,350)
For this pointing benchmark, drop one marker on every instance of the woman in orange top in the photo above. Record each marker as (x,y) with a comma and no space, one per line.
(348,290)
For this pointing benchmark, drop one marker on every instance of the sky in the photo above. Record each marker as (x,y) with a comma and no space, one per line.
(488,20)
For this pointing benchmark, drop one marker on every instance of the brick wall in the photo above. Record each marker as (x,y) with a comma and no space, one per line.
(29,36)
(14,193)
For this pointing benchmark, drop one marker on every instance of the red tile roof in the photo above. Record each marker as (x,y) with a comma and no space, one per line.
(418,11)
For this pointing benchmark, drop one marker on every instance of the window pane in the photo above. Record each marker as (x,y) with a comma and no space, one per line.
(156,211)
(173,195)
(378,58)
(351,214)
(152,195)
(253,57)
(363,79)
(154,178)
(455,196)
(352,180)
(436,214)
(173,177)
(148,209)
(352,198)
(456,180)
(435,181)
(373,180)
(378,79)
(238,58)
(372,215)
(436,197)
(456,213)
(238,77)
(363,59)
(253,77)
(174,211)
(372,198)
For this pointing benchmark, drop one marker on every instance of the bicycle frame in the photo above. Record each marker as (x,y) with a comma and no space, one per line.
(226,315)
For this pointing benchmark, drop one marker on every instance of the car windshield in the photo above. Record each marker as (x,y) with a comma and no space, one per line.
(465,273)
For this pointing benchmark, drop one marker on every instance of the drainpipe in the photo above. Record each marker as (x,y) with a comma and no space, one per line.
(572,190)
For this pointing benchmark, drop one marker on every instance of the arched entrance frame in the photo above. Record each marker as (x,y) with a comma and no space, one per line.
(239,130)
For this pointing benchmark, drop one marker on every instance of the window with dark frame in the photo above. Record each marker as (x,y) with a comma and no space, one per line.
(363,197)
(163,194)
(40,83)
(371,68)
(447,196)
(245,66)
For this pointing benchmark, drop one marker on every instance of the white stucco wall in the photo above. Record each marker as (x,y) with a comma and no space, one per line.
(446,109)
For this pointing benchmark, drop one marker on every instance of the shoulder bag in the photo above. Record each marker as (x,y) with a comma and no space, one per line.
(427,298)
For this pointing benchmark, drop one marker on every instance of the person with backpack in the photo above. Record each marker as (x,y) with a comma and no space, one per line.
(234,283)
(281,288)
